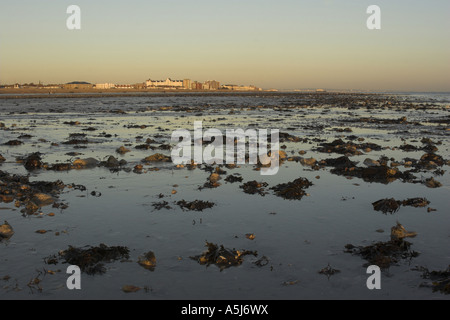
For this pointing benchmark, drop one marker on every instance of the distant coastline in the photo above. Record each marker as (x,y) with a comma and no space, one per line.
(34,93)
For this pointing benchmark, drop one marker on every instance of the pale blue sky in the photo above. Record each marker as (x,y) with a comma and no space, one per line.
(284,44)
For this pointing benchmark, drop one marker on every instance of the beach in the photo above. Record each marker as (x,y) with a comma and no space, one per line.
(92,174)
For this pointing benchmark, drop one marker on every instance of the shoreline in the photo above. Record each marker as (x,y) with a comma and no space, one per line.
(65,93)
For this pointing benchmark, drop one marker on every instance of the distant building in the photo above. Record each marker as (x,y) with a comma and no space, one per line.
(124,86)
(197,85)
(211,85)
(52,86)
(140,85)
(187,83)
(105,86)
(169,83)
(78,85)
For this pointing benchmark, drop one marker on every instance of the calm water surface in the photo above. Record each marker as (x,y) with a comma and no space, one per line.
(298,237)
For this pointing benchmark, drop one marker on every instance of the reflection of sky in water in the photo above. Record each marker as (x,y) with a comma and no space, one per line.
(299,237)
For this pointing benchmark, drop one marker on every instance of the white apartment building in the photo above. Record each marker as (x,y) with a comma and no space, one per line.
(164,83)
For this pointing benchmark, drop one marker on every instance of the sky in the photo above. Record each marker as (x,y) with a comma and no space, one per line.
(283,44)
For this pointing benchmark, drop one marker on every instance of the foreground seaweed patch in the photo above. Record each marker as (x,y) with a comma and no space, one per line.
(254,187)
(222,257)
(347,148)
(293,190)
(391,205)
(90,259)
(381,174)
(385,254)
(374,171)
(386,205)
(160,205)
(440,280)
(29,195)
(197,205)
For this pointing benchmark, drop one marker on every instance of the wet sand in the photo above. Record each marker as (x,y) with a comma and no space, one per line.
(78,176)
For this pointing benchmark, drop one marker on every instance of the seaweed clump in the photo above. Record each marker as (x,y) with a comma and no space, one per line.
(391,205)
(292,190)
(253,187)
(91,259)
(29,195)
(385,254)
(222,257)
(387,205)
(440,279)
(329,271)
(197,205)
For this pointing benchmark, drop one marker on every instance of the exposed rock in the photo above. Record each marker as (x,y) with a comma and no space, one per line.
(399,232)
(431,183)
(282,154)
(371,163)
(138,168)
(250,236)
(308,161)
(6,231)
(42,199)
(122,150)
(431,160)
(33,161)
(214,177)
(112,162)
(157,157)
(130,288)
(85,163)
(148,261)
(339,146)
